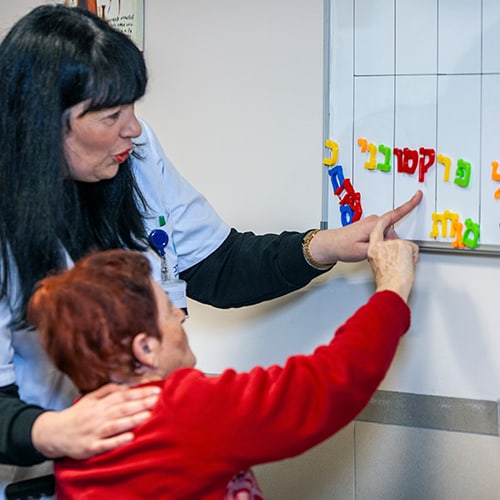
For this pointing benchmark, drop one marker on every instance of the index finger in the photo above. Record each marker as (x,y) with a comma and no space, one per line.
(378,231)
(399,212)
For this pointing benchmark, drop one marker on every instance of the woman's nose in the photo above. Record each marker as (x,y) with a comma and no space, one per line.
(131,126)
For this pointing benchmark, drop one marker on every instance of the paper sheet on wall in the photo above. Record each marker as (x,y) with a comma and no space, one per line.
(125,15)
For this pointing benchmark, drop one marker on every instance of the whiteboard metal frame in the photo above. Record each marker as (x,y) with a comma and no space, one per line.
(326,110)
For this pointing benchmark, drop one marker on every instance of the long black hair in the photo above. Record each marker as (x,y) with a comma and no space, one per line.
(52,59)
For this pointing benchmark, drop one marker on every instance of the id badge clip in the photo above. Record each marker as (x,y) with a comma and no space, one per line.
(174,287)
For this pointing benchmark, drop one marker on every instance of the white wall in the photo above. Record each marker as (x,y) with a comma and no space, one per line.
(236,98)
(12,10)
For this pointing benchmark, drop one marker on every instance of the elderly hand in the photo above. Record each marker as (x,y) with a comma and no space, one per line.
(393,260)
(350,243)
(98,422)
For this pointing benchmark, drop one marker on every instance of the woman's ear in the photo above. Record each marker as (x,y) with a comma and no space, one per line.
(144,348)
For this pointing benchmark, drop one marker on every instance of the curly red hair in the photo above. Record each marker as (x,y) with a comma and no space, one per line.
(87,316)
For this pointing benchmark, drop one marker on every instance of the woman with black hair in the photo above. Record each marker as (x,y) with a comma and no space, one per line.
(79,171)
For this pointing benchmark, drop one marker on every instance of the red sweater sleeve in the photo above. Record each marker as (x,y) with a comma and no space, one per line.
(274,413)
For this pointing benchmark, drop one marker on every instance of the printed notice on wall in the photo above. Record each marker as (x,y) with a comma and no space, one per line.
(126,16)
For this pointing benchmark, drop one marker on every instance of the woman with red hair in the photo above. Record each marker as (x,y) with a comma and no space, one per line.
(106,320)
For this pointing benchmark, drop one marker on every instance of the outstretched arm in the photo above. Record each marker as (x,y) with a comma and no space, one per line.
(247,268)
(311,397)
(350,243)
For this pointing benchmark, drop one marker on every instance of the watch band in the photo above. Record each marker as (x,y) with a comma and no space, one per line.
(306,241)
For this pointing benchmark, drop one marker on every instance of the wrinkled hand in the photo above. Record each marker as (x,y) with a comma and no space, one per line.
(98,422)
(350,243)
(393,260)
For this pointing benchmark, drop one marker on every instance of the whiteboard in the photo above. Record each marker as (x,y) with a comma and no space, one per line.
(413,102)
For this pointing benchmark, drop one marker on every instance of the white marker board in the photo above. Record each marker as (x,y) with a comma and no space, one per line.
(413,102)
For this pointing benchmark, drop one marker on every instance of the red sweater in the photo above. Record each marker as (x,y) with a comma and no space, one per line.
(204,429)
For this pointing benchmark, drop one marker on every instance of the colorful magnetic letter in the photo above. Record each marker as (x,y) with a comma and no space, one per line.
(436,219)
(336,177)
(471,234)
(446,161)
(334,148)
(458,228)
(386,151)
(346,215)
(462,178)
(362,143)
(353,200)
(371,164)
(427,158)
(495,175)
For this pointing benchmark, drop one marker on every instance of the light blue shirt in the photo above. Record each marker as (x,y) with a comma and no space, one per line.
(194,229)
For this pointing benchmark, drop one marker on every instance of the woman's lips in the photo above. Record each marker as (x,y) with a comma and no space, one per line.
(121,157)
